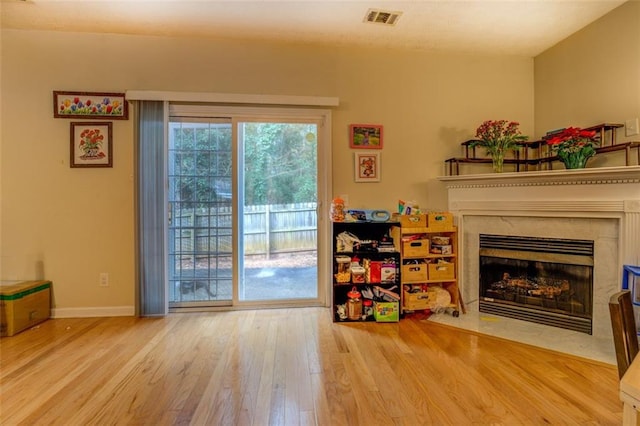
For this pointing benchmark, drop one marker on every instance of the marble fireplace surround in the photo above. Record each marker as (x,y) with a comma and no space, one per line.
(600,204)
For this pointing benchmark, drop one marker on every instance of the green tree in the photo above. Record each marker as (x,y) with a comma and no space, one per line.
(279,163)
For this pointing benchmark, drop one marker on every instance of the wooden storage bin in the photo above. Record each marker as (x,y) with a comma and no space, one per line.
(440,221)
(418,301)
(442,271)
(412,221)
(414,272)
(415,248)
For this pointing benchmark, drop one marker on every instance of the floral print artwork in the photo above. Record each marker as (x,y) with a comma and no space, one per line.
(90,105)
(91,144)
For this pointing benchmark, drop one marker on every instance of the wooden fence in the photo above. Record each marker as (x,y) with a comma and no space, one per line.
(267,229)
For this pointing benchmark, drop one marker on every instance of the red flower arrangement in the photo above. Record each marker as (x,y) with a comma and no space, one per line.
(574,146)
(497,137)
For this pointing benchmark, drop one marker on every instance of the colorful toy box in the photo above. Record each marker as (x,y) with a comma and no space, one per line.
(386,311)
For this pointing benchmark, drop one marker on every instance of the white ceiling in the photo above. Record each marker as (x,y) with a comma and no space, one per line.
(514,27)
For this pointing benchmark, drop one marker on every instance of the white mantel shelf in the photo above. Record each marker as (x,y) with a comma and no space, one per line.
(604,191)
(601,175)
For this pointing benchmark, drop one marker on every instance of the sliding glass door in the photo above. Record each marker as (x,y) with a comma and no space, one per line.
(243,198)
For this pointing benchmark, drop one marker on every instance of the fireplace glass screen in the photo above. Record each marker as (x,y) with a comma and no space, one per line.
(542,280)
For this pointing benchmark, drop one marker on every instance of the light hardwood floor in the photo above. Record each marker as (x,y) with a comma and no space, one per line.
(291,367)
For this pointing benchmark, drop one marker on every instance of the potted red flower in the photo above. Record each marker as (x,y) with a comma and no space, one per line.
(574,146)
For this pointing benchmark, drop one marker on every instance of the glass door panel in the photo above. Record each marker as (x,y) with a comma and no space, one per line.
(200,213)
(278,195)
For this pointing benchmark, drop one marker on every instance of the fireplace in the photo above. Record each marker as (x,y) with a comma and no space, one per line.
(597,204)
(544,280)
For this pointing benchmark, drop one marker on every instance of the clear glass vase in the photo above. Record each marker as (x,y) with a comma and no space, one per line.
(497,159)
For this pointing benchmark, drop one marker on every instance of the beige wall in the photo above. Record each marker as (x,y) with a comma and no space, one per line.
(68,225)
(592,77)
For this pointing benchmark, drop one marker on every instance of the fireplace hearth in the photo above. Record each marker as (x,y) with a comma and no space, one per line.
(543,280)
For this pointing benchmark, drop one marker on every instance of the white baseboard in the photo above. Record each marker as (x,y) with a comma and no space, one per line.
(102,311)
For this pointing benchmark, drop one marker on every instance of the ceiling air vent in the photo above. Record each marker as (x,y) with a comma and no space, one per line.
(382,17)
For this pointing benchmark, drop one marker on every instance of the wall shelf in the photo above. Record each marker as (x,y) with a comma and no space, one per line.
(536,155)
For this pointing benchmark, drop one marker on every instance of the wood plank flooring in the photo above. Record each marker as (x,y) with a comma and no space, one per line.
(291,367)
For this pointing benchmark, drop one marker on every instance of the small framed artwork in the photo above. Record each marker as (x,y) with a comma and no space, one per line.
(108,106)
(91,144)
(365,136)
(367,166)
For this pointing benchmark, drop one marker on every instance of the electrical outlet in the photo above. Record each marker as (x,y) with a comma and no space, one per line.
(631,127)
(104,279)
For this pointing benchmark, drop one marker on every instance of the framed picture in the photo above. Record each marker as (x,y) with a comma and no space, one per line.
(365,136)
(91,144)
(367,166)
(109,106)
